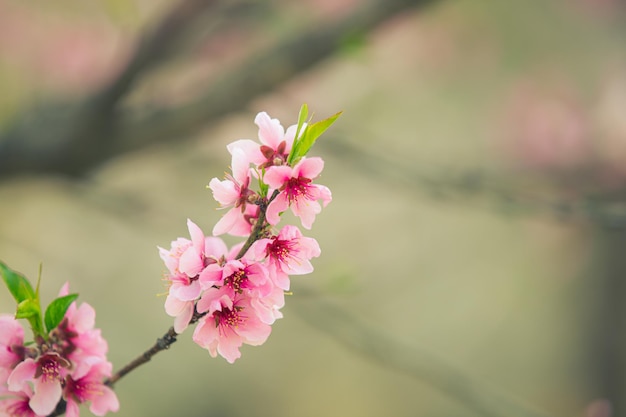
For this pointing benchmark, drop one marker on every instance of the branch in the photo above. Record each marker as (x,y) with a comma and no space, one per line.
(73,138)
(510,196)
(70,137)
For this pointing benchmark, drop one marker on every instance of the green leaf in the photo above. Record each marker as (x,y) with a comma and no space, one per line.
(17,284)
(30,310)
(311,133)
(304,113)
(56,310)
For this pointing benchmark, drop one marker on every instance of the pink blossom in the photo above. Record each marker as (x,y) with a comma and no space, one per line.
(288,253)
(185,261)
(234,192)
(275,143)
(238,276)
(11,342)
(228,324)
(297,191)
(185,256)
(46,374)
(17,403)
(89,387)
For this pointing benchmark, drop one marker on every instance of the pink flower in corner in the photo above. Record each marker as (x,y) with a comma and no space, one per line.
(45,375)
(297,191)
(17,403)
(89,387)
(11,342)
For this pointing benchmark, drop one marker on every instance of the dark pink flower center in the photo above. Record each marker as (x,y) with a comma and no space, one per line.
(274,156)
(82,390)
(20,408)
(49,367)
(281,250)
(237,281)
(229,318)
(297,188)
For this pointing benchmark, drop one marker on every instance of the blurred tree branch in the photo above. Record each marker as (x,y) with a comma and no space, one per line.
(74,137)
(507,195)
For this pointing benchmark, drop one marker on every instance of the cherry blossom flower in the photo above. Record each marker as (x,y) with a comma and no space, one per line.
(46,374)
(185,261)
(16,403)
(11,342)
(288,253)
(297,191)
(228,324)
(89,387)
(72,356)
(274,147)
(234,192)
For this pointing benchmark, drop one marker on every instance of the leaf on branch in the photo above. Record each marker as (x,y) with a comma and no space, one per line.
(56,310)
(303,143)
(18,285)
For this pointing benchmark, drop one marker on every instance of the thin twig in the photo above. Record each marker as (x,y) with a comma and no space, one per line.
(73,138)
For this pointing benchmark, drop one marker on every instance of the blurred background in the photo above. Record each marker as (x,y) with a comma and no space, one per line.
(473,258)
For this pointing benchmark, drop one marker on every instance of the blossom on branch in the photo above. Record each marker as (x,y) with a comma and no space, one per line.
(235,297)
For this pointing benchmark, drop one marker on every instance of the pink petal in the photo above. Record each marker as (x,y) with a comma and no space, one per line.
(271,132)
(104,402)
(84,318)
(240,166)
(182,320)
(276,176)
(226,223)
(186,292)
(190,262)
(46,397)
(197,237)
(22,374)
(71,409)
(309,167)
(228,348)
(276,207)
(306,210)
(325,194)
(65,289)
(174,306)
(214,247)
(225,192)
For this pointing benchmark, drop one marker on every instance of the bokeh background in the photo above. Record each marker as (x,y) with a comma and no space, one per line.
(474,253)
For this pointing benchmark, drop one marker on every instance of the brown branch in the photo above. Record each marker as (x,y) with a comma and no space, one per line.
(73,138)
(70,137)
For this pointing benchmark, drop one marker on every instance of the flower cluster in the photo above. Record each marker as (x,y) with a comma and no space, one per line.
(235,294)
(68,362)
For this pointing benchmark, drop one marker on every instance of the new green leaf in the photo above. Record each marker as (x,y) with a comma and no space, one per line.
(18,285)
(311,133)
(30,310)
(56,310)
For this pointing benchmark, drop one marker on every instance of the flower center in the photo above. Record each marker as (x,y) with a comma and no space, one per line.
(237,281)
(280,249)
(297,188)
(229,318)
(49,367)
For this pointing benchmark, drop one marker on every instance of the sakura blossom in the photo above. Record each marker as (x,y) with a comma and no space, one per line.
(235,296)
(297,191)
(35,377)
